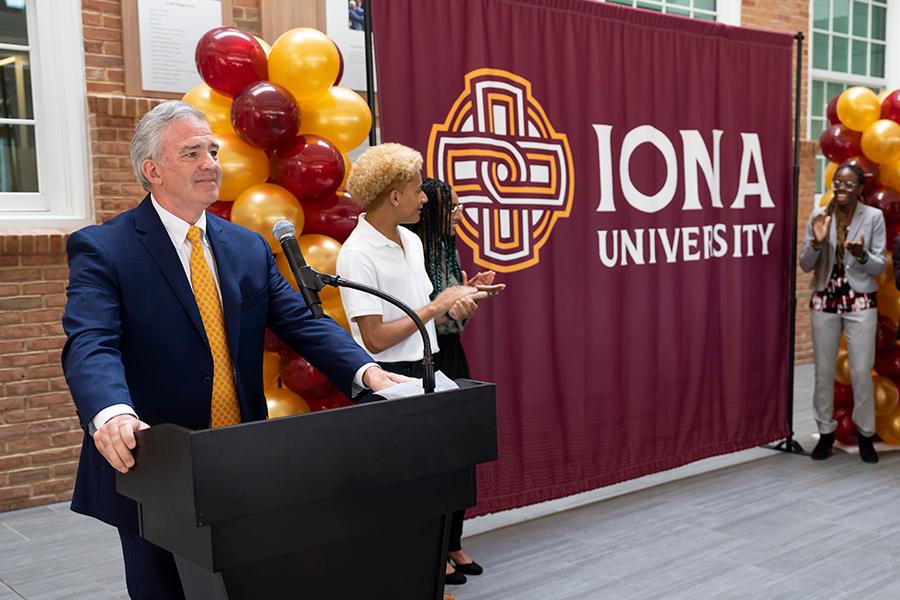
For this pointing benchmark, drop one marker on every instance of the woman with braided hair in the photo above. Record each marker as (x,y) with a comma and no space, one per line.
(844,244)
(437,228)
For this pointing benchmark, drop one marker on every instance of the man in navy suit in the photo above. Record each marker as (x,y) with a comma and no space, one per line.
(138,351)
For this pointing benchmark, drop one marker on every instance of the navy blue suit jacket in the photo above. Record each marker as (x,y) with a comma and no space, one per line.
(135,335)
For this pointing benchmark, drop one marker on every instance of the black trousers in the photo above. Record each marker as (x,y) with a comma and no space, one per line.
(150,571)
(414,369)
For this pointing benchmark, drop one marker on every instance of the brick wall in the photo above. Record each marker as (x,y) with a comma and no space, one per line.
(39,434)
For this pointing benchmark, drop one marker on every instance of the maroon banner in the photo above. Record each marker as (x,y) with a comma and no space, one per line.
(628,175)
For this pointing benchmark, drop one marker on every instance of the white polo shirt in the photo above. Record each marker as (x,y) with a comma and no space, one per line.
(370,258)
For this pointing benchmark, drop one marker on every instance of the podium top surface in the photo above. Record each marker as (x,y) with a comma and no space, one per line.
(215,475)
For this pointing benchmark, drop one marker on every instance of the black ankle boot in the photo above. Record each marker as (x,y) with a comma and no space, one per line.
(867,449)
(823,448)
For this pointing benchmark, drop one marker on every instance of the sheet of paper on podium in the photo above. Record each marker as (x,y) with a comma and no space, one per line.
(415,387)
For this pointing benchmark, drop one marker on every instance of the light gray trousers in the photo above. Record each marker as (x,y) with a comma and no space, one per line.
(859,329)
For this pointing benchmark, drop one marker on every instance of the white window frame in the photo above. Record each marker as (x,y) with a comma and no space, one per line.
(728,12)
(891,79)
(59,97)
(892,47)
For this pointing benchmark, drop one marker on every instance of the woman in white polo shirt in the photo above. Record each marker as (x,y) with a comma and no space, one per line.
(386,181)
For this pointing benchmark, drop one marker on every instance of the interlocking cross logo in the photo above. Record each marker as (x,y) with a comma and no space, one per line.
(512,171)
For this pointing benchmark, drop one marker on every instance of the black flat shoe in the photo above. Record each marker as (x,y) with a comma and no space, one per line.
(823,448)
(471,568)
(866,451)
(455,578)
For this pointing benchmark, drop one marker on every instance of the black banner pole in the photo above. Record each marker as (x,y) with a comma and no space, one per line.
(370,68)
(789,444)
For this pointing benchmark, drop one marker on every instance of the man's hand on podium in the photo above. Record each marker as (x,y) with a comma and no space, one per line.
(377,379)
(115,440)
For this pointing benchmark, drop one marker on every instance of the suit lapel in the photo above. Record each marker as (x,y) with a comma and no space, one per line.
(158,244)
(226,264)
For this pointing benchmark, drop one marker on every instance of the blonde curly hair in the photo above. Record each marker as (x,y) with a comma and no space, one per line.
(381,169)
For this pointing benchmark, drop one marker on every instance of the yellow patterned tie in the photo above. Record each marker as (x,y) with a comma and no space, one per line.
(225,409)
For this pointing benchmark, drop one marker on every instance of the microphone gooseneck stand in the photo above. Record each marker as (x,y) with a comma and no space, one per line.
(427,360)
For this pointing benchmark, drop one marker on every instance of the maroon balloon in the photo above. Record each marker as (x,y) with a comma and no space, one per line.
(869,169)
(831,111)
(221,209)
(229,60)
(265,115)
(893,230)
(846,428)
(334,401)
(839,143)
(890,108)
(309,167)
(340,74)
(335,215)
(843,395)
(304,379)
(888,201)
(888,364)
(885,334)
(273,343)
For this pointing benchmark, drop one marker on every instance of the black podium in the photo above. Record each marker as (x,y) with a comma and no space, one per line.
(350,503)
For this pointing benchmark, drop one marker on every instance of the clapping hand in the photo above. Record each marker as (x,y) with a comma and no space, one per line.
(484,282)
(857,249)
(821,224)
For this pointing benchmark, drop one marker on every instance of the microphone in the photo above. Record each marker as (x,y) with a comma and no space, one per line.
(307,278)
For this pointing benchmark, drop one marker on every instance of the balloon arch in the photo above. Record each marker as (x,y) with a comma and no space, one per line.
(865,131)
(284,129)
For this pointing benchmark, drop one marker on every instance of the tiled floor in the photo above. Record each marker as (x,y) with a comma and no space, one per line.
(777,527)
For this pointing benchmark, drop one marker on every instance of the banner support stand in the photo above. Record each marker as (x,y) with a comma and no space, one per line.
(370,69)
(789,444)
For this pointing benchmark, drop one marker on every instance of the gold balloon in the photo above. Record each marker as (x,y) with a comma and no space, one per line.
(858,107)
(889,175)
(886,395)
(242,165)
(320,251)
(888,427)
(215,106)
(334,308)
(843,343)
(305,61)
(830,168)
(282,402)
(265,45)
(346,158)
(881,141)
(826,198)
(340,116)
(842,370)
(259,207)
(887,276)
(889,302)
(882,95)
(284,268)
(271,362)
